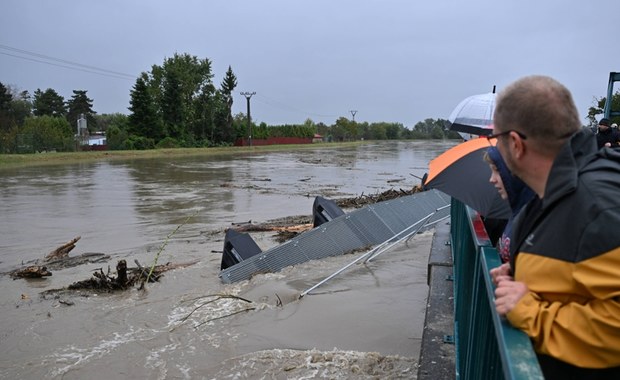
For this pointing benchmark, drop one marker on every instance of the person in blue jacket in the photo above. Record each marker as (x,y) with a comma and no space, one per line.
(510,188)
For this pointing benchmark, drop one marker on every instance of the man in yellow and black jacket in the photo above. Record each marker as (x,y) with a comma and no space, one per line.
(564,288)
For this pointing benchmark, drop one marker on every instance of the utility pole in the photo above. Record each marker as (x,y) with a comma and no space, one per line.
(353,112)
(248,96)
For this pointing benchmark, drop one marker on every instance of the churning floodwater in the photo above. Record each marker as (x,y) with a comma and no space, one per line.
(177,209)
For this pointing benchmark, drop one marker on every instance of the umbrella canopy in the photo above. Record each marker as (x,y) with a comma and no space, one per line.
(462,173)
(473,116)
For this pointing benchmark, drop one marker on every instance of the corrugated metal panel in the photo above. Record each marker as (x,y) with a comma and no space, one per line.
(361,228)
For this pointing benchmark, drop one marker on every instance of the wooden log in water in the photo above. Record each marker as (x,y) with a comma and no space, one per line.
(63,250)
(121,270)
(32,271)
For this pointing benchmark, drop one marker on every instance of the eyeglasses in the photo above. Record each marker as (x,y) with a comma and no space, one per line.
(496,135)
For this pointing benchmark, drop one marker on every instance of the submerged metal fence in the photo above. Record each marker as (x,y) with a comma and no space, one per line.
(359,229)
(487,346)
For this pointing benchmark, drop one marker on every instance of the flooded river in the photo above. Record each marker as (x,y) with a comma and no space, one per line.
(177,209)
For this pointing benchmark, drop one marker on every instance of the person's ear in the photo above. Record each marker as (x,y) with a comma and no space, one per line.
(517,144)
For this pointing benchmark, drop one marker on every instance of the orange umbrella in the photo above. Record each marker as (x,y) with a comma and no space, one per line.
(462,173)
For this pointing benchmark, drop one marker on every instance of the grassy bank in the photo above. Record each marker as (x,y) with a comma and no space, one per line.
(55,158)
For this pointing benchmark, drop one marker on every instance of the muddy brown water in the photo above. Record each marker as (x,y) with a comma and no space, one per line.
(365,323)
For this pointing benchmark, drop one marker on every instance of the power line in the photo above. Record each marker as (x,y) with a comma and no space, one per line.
(66,67)
(48,60)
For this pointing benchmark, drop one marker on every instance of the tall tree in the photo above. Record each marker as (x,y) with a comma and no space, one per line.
(48,103)
(5,98)
(79,104)
(180,83)
(15,106)
(205,110)
(21,107)
(143,120)
(173,107)
(228,85)
(6,121)
(188,106)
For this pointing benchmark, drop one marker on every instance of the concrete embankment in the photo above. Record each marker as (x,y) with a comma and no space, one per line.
(437,353)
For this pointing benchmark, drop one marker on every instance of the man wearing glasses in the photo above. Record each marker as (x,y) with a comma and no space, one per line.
(564,286)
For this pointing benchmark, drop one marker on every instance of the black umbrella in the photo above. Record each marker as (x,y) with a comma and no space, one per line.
(462,173)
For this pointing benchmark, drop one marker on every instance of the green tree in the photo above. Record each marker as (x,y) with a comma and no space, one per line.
(15,107)
(181,80)
(173,108)
(116,138)
(345,130)
(206,107)
(429,129)
(144,120)
(228,85)
(392,131)
(6,119)
(378,131)
(21,107)
(323,130)
(5,98)
(48,103)
(240,125)
(598,107)
(107,120)
(184,98)
(79,104)
(48,133)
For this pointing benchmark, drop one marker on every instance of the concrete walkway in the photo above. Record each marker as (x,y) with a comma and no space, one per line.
(437,353)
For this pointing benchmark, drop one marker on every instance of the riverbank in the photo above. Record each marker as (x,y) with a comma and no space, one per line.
(55,158)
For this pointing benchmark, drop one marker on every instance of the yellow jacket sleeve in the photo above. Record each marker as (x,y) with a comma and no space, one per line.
(572,310)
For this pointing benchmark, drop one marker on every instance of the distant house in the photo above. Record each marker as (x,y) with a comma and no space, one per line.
(96,140)
(317,138)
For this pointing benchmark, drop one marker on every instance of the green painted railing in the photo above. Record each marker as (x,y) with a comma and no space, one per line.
(487,346)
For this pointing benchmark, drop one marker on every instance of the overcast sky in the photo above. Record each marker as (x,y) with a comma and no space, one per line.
(391,60)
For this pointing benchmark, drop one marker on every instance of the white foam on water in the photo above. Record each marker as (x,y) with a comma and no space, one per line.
(74,356)
(312,364)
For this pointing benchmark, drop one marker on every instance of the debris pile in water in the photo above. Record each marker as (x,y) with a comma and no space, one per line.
(363,200)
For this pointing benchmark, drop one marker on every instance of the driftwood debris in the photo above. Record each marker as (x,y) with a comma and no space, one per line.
(364,200)
(285,229)
(103,281)
(62,251)
(73,261)
(249,227)
(125,277)
(56,260)
(32,271)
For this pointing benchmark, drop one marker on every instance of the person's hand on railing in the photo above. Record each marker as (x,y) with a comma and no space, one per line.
(501,271)
(508,293)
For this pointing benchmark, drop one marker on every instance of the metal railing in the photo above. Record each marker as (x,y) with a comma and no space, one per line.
(487,346)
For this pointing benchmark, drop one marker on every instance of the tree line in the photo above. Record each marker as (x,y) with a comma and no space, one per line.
(176,104)
(40,120)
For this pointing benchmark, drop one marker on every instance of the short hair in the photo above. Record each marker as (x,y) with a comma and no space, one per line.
(541,108)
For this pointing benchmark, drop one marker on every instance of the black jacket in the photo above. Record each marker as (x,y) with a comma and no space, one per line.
(566,249)
(608,136)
